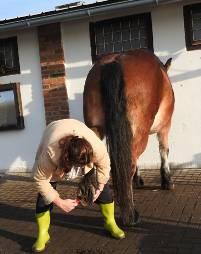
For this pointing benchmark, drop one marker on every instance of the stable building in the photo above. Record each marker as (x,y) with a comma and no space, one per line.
(45,58)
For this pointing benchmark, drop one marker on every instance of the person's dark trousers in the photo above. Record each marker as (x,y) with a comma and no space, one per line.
(104,198)
(106,203)
(41,207)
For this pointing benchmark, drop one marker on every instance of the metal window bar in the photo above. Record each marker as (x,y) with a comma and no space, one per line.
(122,27)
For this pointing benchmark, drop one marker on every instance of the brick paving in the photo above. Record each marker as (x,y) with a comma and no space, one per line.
(170,220)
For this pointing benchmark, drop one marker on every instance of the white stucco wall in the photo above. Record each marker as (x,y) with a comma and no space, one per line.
(77,53)
(18,147)
(185,73)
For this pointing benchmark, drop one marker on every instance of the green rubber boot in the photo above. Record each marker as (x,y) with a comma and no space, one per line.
(110,225)
(43,223)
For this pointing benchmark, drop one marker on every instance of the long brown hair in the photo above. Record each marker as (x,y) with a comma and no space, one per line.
(75,151)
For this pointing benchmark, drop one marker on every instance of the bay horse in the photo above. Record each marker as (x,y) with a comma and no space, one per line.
(128,96)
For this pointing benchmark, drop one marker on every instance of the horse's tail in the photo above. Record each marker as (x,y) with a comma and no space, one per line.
(118,135)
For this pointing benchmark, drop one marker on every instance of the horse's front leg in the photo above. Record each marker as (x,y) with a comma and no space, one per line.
(166,182)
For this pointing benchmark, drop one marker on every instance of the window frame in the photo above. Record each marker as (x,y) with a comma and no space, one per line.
(190,45)
(148,20)
(15,87)
(16,69)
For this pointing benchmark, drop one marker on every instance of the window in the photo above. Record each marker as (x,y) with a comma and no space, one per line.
(121,34)
(192,24)
(9,59)
(11,116)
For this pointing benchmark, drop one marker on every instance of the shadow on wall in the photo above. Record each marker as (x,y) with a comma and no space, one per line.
(78,72)
(185,76)
(181,76)
(81,71)
(76,107)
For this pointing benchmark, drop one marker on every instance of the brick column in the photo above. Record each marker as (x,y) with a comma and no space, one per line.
(53,72)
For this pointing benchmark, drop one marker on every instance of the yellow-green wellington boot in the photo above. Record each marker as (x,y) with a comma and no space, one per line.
(110,225)
(43,223)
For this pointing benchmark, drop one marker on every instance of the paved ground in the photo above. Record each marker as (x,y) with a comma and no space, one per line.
(170,219)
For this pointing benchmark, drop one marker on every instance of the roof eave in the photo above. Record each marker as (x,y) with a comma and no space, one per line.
(76,14)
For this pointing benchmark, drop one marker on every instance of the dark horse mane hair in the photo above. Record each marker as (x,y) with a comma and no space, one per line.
(118,134)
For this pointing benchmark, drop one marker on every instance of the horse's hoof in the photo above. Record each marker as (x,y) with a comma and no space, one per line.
(167,186)
(138,183)
(134,221)
(171,186)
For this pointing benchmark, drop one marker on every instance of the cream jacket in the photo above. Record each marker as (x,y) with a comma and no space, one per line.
(46,170)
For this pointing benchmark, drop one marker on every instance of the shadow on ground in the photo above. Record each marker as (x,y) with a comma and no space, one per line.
(150,237)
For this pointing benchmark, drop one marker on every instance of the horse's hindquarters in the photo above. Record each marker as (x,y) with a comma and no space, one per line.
(92,103)
(166,107)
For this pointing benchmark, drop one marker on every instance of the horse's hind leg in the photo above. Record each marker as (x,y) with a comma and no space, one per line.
(138,180)
(166,182)
(138,146)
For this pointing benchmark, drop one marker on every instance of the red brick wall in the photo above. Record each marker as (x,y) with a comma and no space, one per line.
(53,72)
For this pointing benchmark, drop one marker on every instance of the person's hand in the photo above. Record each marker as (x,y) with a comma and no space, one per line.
(98,191)
(66,205)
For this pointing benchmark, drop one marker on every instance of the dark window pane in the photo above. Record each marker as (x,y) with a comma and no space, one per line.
(192,25)
(8,57)
(117,36)
(99,27)
(108,47)
(143,43)
(122,34)
(116,26)
(117,47)
(142,21)
(126,45)
(143,32)
(134,22)
(196,13)
(107,28)
(2,58)
(197,35)
(125,24)
(135,44)
(9,61)
(99,39)
(108,37)
(125,35)
(134,33)
(100,49)
(196,23)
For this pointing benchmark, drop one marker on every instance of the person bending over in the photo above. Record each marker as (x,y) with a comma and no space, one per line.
(69,149)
